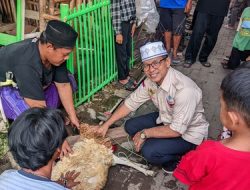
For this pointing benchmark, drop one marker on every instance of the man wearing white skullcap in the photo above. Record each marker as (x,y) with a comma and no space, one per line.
(179,125)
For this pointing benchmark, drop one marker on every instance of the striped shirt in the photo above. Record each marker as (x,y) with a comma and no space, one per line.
(21,180)
(122,10)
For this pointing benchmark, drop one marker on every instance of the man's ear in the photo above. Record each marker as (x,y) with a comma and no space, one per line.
(234,117)
(50,46)
(168,62)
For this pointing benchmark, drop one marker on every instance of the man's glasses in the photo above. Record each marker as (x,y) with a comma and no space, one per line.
(155,65)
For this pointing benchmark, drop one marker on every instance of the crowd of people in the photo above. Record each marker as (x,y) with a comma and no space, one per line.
(174,137)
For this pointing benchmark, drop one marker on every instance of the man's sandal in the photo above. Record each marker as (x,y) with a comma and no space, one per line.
(225,65)
(130,85)
(206,64)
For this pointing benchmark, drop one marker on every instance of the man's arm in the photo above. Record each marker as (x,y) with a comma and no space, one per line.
(156,132)
(116,21)
(119,113)
(161,132)
(188,7)
(66,97)
(35,103)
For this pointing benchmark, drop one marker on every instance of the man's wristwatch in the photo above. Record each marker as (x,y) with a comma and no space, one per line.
(143,135)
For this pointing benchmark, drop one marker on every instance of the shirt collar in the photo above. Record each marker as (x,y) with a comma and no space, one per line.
(167,81)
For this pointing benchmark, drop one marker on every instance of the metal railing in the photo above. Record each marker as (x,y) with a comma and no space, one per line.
(93,60)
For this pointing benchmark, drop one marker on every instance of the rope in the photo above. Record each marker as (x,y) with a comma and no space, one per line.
(131,152)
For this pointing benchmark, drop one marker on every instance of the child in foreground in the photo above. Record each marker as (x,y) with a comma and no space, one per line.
(224,164)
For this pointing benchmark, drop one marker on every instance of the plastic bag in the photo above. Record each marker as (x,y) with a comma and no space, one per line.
(147,15)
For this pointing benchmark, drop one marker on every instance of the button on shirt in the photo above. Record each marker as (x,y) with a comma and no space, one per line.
(122,10)
(179,101)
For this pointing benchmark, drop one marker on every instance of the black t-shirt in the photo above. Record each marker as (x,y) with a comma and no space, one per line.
(23,60)
(213,7)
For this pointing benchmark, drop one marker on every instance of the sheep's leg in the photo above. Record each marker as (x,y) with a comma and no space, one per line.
(126,162)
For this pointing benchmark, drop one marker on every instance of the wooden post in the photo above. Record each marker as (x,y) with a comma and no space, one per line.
(42,9)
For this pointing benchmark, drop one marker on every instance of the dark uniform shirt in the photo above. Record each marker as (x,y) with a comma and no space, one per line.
(213,7)
(23,60)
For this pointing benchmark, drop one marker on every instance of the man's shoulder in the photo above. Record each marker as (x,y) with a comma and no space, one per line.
(8,172)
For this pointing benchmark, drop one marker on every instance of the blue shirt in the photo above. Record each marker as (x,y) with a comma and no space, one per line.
(21,180)
(173,4)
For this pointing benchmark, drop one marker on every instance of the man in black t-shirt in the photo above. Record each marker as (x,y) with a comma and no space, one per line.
(37,67)
(209,19)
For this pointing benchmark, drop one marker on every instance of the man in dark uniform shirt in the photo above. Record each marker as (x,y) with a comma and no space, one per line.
(209,19)
(38,68)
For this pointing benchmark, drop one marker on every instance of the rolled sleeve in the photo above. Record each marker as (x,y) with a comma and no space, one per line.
(184,109)
(116,17)
(137,98)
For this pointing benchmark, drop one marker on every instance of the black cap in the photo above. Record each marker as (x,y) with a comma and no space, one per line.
(60,34)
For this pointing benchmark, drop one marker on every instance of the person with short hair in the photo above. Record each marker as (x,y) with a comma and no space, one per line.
(123,14)
(37,70)
(35,139)
(179,125)
(224,164)
(241,43)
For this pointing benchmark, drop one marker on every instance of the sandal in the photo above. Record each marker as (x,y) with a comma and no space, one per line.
(206,64)
(224,64)
(187,64)
(226,58)
(130,86)
(133,81)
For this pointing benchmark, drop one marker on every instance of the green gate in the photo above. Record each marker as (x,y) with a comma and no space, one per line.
(93,61)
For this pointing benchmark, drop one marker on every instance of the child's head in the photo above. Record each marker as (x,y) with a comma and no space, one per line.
(35,136)
(235,98)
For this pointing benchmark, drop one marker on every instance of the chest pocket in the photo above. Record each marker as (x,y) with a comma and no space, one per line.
(166,108)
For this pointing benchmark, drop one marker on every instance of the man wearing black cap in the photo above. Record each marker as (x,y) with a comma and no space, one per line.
(37,69)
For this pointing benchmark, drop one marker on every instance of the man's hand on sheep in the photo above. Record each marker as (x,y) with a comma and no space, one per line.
(138,141)
(69,179)
(65,149)
(100,129)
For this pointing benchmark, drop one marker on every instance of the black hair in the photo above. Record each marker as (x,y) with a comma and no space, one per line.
(43,39)
(236,92)
(35,136)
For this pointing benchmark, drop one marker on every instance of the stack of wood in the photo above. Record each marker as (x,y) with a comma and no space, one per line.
(36,12)
(49,9)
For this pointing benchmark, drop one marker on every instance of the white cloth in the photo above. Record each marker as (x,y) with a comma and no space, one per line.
(179,101)
(152,50)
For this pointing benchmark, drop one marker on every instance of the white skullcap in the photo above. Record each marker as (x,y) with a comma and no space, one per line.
(152,50)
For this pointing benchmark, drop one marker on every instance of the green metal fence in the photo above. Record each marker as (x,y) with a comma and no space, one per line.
(93,61)
(6,39)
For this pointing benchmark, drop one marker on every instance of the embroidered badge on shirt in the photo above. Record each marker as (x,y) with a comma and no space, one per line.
(151,92)
(170,101)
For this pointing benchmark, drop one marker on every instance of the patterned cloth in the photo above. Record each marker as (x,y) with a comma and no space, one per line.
(14,104)
(122,10)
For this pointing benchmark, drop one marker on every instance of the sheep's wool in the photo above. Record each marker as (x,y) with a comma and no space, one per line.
(91,159)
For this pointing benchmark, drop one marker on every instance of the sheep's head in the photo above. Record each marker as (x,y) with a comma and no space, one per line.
(91,157)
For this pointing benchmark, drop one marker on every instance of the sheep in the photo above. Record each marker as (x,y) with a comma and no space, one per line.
(92,156)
